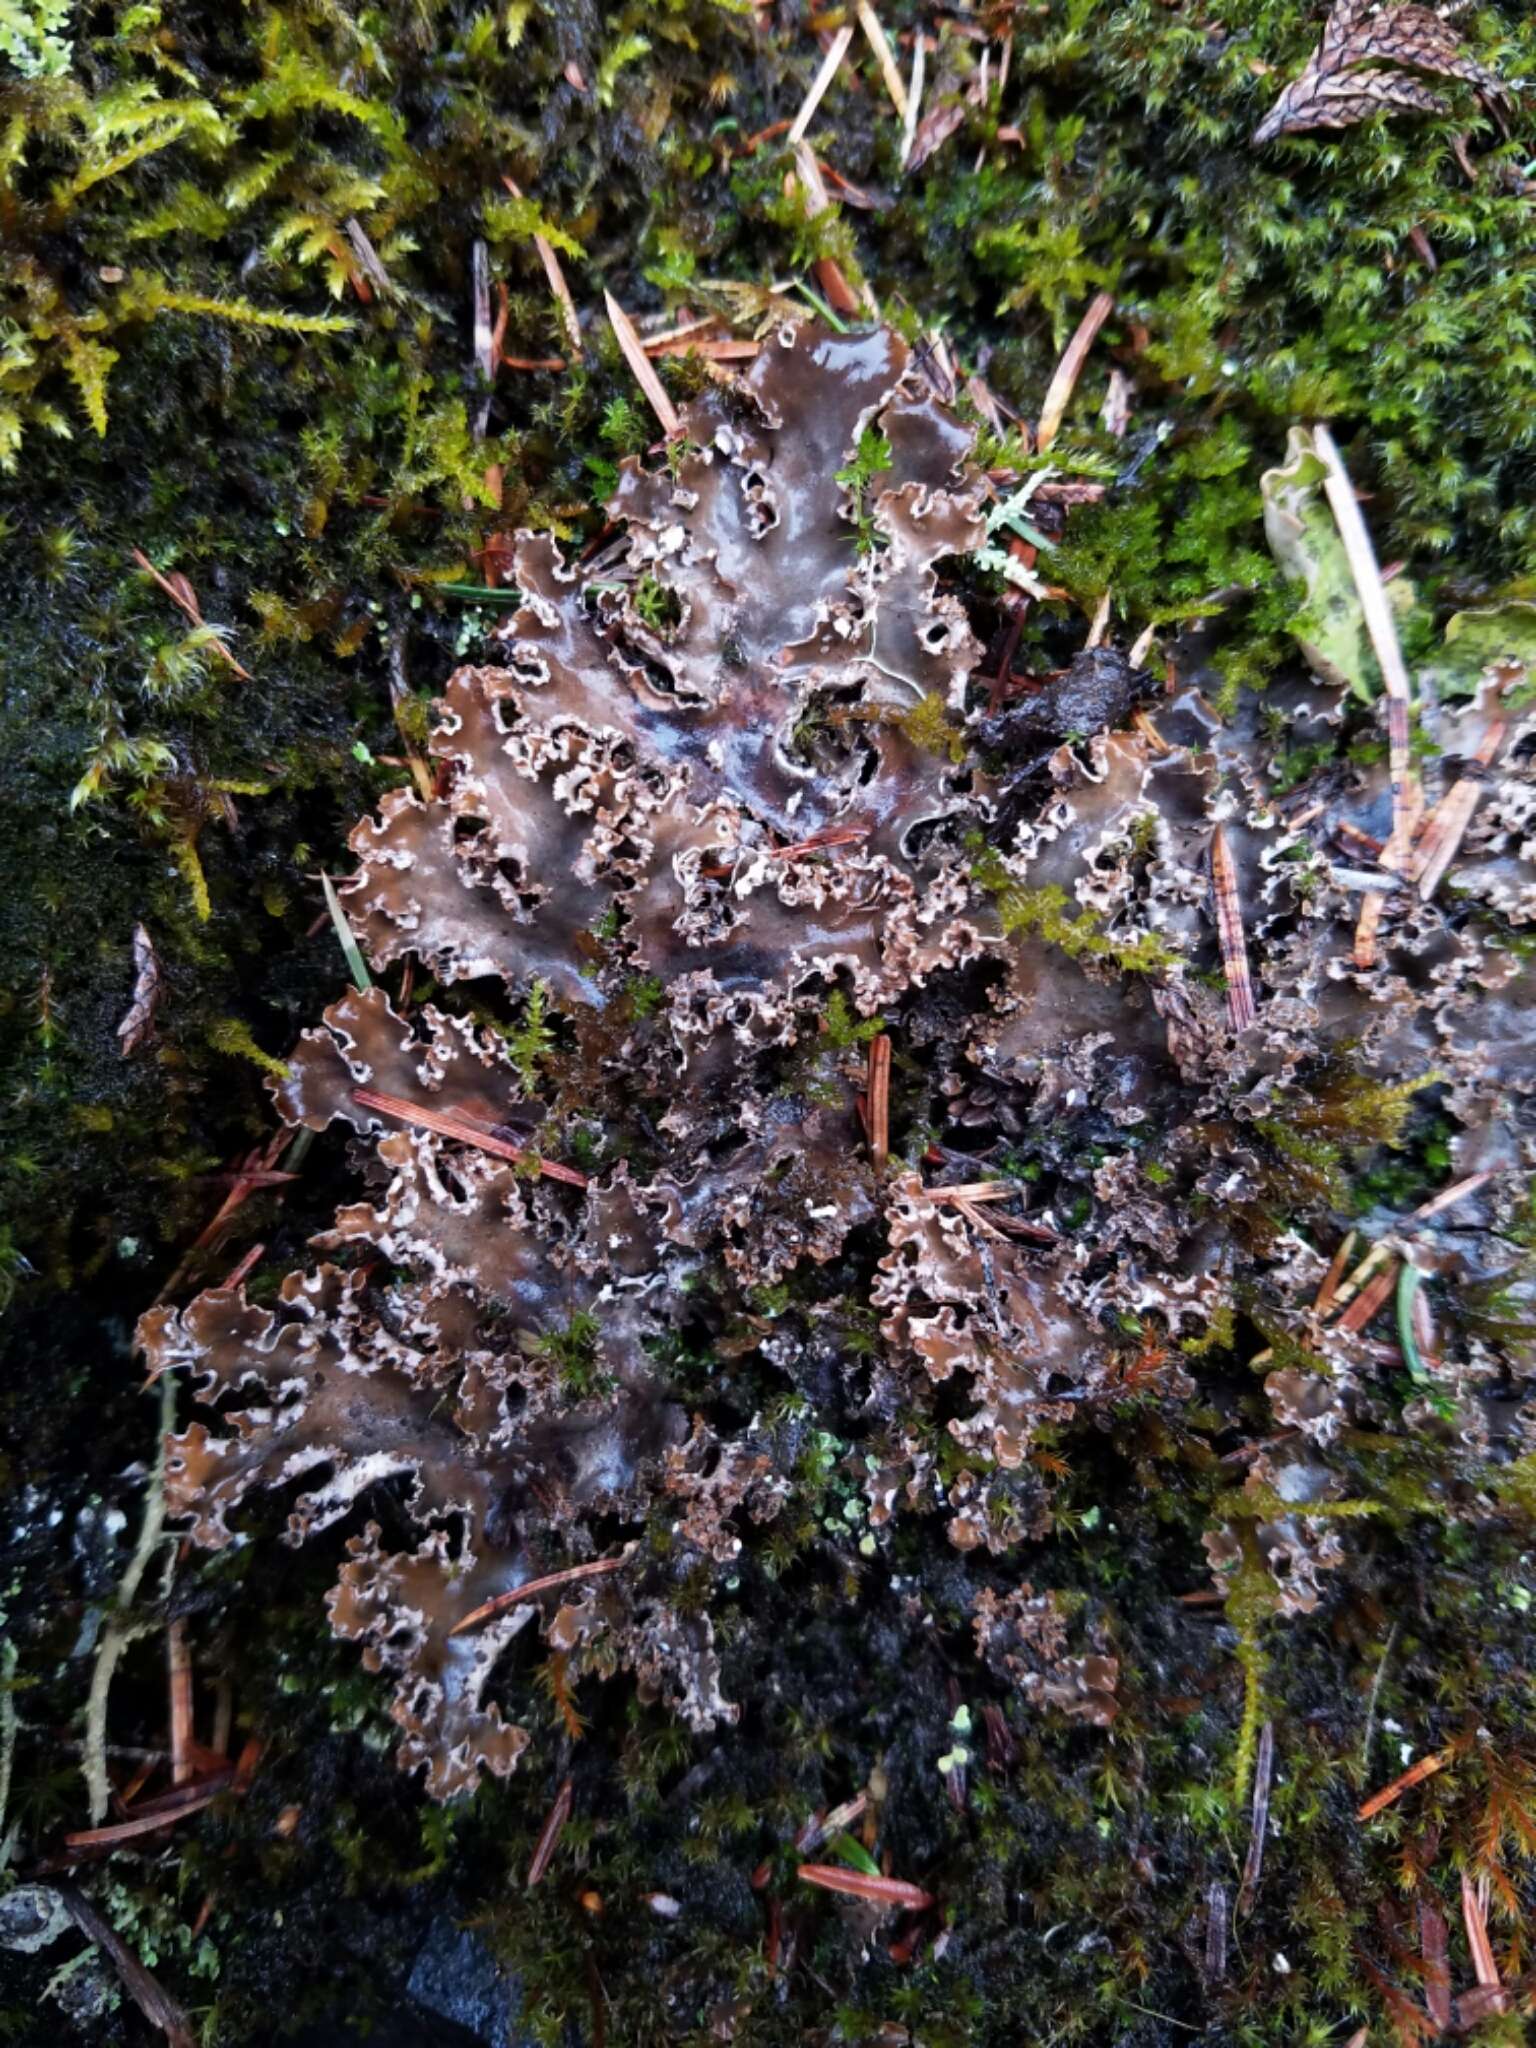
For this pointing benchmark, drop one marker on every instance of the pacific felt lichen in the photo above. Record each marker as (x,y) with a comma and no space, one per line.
(654,783)
(192,200)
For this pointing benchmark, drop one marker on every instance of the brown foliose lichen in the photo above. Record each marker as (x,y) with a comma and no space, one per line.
(704,830)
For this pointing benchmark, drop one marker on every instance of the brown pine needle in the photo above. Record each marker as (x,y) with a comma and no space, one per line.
(549,1835)
(1242,1011)
(1059,392)
(519,1596)
(874,35)
(857,1884)
(1415,1774)
(643,368)
(1335,1274)
(155,1813)
(1369,1300)
(179,1668)
(1349,1288)
(447,1125)
(831,64)
(1484,1968)
(879,1087)
(556,276)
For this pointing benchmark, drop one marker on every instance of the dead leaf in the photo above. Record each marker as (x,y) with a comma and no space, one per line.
(139,1018)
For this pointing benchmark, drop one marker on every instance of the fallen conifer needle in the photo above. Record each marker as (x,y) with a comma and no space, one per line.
(879,1891)
(643,368)
(1059,392)
(830,66)
(447,1126)
(549,1835)
(520,1595)
(874,35)
(1415,1774)
(556,276)
(880,1101)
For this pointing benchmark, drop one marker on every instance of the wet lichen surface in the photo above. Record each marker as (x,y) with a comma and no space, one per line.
(921,1137)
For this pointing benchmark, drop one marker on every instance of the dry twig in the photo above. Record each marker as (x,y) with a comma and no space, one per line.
(880,1101)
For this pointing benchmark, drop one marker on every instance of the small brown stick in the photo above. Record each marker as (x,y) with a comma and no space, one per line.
(179,1667)
(1242,1011)
(1426,1767)
(556,277)
(156,2004)
(875,36)
(1484,1968)
(1435,1948)
(549,1835)
(879,1087)
(1335,1273)
(1369,1300)
(644,371)
(447,1126)
(184,597)
(1253,1862)
(830,66)
(972,1191)
(533,362)
(1059,391)
(530,1588)
(857,1884)
(1446,825)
